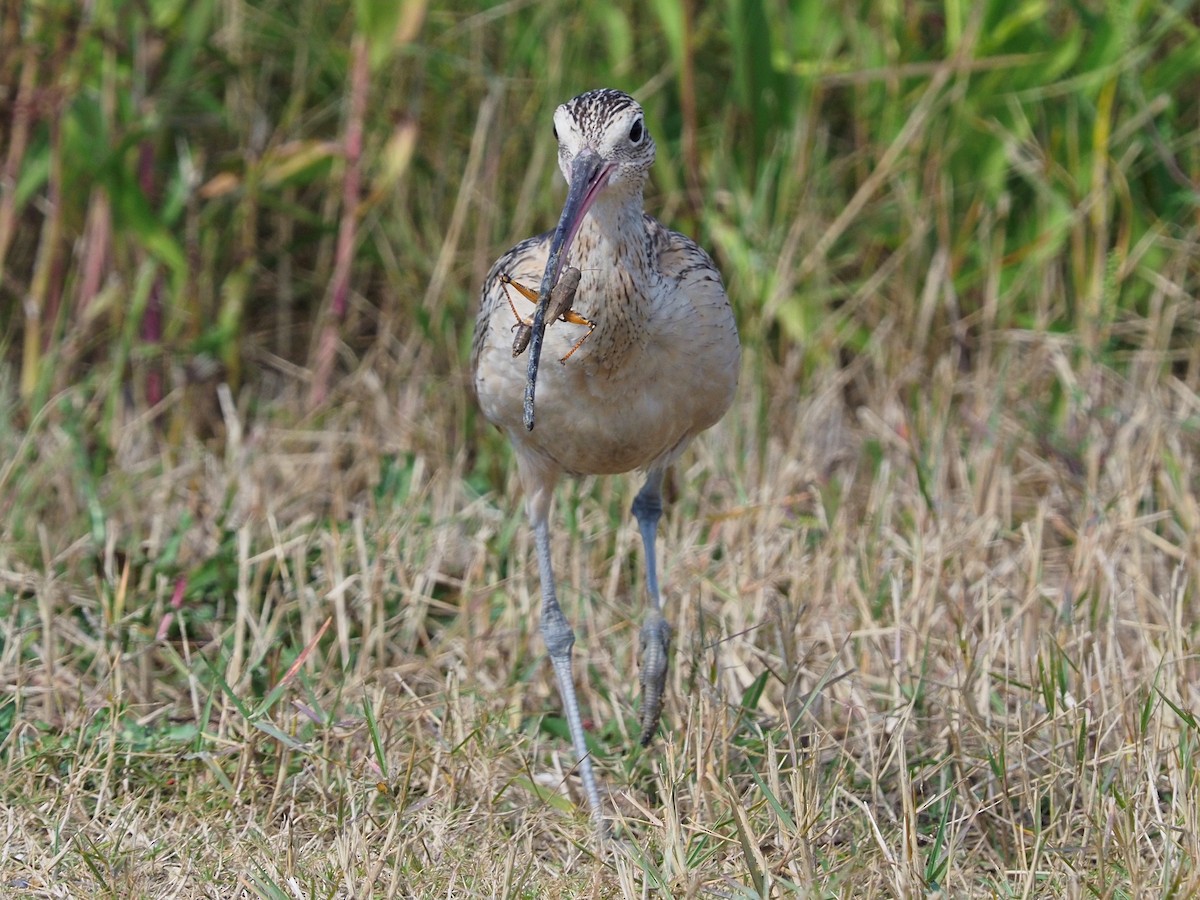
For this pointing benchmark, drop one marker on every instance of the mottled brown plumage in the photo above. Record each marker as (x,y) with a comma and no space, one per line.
(660,367)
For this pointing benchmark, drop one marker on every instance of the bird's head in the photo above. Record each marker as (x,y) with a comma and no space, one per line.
(603,148)
(602,140)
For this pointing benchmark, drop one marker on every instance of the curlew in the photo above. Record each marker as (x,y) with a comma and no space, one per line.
(659,364)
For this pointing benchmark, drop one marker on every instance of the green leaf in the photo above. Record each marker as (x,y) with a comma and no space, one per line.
(286,739)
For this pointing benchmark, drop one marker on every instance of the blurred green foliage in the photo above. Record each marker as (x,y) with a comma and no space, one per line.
(172,171)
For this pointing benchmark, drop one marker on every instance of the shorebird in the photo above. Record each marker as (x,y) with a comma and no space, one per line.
(659,367)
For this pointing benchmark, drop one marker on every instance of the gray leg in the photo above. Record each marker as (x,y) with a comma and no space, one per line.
(556,631)
(656,633)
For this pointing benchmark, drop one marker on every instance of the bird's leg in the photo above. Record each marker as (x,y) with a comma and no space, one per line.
(656,633)
(556,631)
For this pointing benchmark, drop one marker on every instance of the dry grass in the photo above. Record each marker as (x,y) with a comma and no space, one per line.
(944,643)
(933,579)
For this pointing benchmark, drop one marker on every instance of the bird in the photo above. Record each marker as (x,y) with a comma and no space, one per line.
(659,365)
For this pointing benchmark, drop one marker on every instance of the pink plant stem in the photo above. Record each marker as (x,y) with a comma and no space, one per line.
(339,287)
(18,138)
(164,627)
(152,318)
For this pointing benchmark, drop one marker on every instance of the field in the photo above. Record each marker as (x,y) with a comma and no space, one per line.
(268,601)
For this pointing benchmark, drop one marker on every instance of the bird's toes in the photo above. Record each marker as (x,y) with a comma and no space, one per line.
(656,641)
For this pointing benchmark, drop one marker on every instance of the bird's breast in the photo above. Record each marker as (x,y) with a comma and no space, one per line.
(628,396)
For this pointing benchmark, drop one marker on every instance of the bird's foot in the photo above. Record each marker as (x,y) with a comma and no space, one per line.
(656,640)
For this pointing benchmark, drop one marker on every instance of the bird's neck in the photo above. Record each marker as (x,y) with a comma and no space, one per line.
(614,236)
(613,255)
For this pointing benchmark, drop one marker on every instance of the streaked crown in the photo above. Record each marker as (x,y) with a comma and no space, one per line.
(613,124)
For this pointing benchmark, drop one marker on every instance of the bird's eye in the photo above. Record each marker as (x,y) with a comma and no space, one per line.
(637,132)
(555,132)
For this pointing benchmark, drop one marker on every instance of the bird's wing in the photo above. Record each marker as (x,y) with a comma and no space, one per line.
(523,262)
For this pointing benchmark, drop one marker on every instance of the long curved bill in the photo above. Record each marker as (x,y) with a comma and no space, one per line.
(589,175)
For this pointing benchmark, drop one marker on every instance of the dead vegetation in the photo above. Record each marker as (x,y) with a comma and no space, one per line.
(933,580)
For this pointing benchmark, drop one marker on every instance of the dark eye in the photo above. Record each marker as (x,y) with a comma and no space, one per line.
(637,132)
(556,132)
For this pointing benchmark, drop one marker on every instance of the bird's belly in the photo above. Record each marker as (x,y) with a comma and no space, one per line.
(594,434)
(591,420)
